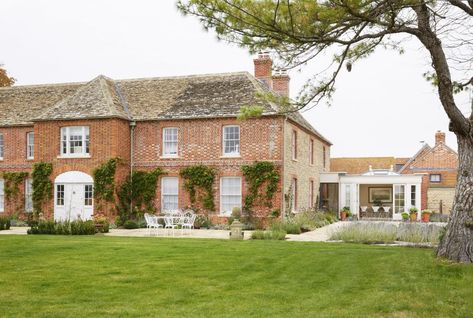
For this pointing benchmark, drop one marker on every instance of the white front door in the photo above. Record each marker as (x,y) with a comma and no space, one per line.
(73,196)
(70,202)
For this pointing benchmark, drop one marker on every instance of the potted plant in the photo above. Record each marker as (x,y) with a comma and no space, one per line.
(344,213)
(413,214)
(405,216)
(426,215)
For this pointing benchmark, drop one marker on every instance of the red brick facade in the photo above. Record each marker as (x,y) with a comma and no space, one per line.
(199,142)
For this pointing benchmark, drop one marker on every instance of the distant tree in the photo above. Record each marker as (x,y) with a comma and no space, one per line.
(299,31)
(5,80)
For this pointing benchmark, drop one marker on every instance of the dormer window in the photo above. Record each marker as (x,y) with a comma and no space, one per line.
(75,141)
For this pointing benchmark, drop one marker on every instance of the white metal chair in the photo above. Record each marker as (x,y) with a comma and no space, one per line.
(169,222)
(187,221)
(152,223)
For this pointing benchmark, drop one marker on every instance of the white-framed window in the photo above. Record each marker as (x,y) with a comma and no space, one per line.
(29,195)
(413,195)
(294,145)
(230,194)
(325,157)
(1,146)
(435,178)
(311,151)
(169,193)
(30,145)
(75,141)
(348,195)
(170,142)
(88,195)
(311,193)
(399,197)
(59,194)
(2,197)
(231,140)
(294,194)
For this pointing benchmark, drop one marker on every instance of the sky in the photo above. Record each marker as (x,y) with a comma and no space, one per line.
(383,107)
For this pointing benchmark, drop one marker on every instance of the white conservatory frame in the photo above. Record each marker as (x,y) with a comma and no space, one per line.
(354,181)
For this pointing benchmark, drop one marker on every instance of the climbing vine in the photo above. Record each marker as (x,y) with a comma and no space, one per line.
(256,175)
(202,177)
(42,186)
(12,184)
(104,180)
(137,193)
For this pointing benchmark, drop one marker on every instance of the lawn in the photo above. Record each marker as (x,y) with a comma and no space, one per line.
(46,276)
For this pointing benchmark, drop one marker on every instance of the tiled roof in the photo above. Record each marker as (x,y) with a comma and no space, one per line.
(195,96)
(96,99)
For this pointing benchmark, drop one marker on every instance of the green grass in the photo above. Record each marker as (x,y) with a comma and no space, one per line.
(56,276)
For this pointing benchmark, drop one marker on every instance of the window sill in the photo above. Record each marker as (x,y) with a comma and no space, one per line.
(74,157)
(230,156)
(169,157)
(295,160)
(29,159)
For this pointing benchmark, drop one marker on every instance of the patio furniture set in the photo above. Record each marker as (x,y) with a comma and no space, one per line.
(182,220)
(379,212)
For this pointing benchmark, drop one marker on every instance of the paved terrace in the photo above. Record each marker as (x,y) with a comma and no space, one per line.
(319,235)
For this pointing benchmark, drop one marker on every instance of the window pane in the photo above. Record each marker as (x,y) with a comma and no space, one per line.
(75,140)
(88,194)
(170,193)
(170,141)
(230,194)
(1,145)
(399,198)
(231,140)
(2,196)
(30,145)
(60,194)
(29,195)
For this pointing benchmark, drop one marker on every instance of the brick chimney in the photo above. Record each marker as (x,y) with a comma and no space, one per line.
(439,138)
(278,82)
(281,83)
(263,68)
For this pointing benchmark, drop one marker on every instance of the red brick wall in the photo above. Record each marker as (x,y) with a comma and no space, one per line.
(109,138)
(200,142)
(14,160)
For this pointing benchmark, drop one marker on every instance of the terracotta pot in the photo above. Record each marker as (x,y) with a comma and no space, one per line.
(413,216)
(343,216)
(425,217)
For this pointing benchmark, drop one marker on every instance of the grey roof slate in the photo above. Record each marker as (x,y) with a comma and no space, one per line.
(195,96)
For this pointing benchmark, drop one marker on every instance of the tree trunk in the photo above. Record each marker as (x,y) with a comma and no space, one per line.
(457,244)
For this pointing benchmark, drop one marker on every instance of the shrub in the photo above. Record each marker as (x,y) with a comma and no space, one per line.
(130,224)
(437,217)
(388,233)
(366,233)
(5,223)
(288,227)
(202,221)
(77,227)
(268,235)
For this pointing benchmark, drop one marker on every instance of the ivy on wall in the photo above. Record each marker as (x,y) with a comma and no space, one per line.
(104,180)
(12,184)
(199,177)
(256,175)
(137,193)
(42,185)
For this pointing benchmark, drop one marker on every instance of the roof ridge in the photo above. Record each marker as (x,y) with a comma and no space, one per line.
(42,85)
(181,76)
(104,87)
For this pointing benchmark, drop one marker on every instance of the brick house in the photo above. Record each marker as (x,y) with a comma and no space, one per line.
(169,122)
(435,167)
